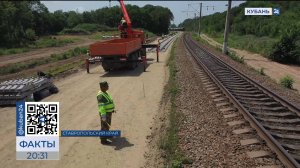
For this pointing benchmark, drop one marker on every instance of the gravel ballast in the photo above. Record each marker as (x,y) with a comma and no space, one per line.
(204,135)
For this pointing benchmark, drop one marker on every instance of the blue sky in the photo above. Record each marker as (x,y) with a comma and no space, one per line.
(175,6)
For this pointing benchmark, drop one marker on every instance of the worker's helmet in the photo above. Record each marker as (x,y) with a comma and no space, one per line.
(103,84)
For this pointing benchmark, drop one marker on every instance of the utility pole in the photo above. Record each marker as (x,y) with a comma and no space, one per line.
(200,14)
(225,49)
(195,23)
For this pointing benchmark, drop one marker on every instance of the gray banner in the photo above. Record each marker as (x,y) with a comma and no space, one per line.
(35,155)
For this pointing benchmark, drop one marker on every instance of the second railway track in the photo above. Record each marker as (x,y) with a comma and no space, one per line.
(165,43)
(276,120)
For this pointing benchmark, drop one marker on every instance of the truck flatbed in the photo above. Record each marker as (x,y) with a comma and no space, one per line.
(115,47)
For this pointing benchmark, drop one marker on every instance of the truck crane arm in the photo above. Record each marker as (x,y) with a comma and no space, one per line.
(126,16)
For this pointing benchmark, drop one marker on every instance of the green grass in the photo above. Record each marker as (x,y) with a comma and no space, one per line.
(231,54)
(74,31)
(4,51)
(260,45)
(199,39)
(169,142)
(87,28)
(40,43)
(17,67)
(236,58)
(98,35)
(261,71)
(64,68)
(150,34)
(52,42)
(287,82)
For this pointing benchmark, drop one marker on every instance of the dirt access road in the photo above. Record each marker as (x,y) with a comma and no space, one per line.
(137,96)
(43,52)
(273,69)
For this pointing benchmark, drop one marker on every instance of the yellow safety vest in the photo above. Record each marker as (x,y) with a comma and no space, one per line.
(107,105)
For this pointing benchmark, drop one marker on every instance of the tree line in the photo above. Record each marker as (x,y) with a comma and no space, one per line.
(285,27)
(22,21)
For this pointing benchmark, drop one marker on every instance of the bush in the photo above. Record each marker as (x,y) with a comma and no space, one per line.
(51,42)
(236,58)
(74,31)
(287,49)
(87,27)
(83,50)
(30,34)
(287,82)
(262,71)
(77,51)
(94,27)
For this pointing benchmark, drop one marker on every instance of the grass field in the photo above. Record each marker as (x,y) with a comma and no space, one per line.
(260,45)
(231,54)
(40,43)
(17,67)
(99,35)
(61,69)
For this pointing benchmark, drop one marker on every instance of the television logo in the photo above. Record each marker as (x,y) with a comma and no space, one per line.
(276,11)
(258,11)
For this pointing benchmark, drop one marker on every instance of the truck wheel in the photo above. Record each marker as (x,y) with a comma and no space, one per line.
(130,65)
(106,67)
(132,61)
(136,59)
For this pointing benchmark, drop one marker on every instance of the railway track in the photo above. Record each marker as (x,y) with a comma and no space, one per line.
(164,44)
(276,120)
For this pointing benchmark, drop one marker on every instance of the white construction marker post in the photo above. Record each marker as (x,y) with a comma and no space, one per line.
(225,49)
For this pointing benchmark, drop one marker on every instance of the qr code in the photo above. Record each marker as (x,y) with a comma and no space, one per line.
(42,118)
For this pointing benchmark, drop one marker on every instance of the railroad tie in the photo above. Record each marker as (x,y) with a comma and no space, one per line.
(216,91)
(206,80)
(242,131)
(230,115)
(228,109)
(237,122)
(223,104)
(270,166)
(207,83)
(252,141)
(257,154)
(212,88)
(216,95)
(209,86)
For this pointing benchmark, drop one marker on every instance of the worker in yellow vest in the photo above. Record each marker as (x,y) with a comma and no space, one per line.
(105,107)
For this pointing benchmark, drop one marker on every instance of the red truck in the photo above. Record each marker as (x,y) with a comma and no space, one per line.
(126,51)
